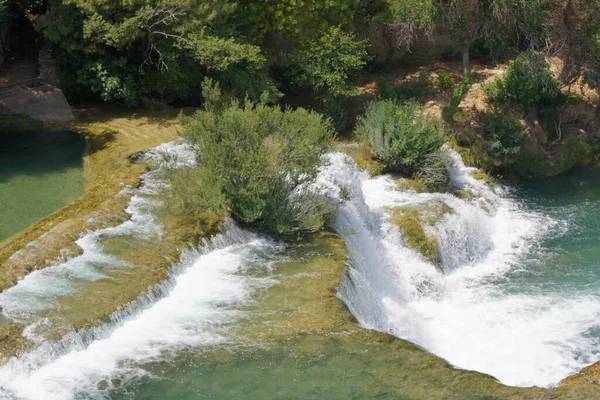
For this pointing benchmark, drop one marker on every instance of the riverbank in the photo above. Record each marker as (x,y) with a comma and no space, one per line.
(112,136)
(297,324)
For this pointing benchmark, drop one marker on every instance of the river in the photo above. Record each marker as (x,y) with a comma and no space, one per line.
(40,172)
(514,296)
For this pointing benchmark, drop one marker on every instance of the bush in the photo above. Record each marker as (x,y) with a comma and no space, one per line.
(444,81)
(325,64)
(261,158)
(399,135)
(194,194)
(503,133)
(528,82)
(458,95)
(385,90)
(419,88)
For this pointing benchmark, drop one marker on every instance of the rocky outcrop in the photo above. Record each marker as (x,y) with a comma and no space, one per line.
(37,99)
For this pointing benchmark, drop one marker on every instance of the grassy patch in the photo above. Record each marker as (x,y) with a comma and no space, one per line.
(485,178)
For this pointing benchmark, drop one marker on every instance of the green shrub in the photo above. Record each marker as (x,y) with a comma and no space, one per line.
(418,88)
(458,95)
(385,90)
(260,157)
(504,136)
(444,81)
(194,194)
(528,82)
(399,135)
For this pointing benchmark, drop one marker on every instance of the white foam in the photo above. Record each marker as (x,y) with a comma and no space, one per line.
(40,289)
(195,307)
(460,313)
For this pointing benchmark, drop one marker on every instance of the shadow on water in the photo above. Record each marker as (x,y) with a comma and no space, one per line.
(39,153)
(40,172)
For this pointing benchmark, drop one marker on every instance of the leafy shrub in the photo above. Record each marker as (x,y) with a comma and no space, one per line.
(458,95)
(503,133)
(261,158)
(399,135)
(194,194)
(385,90)
(444,81)
(419,88)
(528,82)
(325,64)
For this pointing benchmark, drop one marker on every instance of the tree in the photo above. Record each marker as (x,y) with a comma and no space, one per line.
(163,48)
(574,35)
(466,20)
(326,63)
(404,20)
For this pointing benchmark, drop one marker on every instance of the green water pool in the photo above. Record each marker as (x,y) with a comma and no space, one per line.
(40,172)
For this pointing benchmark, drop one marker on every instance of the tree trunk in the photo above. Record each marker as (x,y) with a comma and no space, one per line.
(466,60)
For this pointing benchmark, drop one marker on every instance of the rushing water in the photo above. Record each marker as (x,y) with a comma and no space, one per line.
(39,173)
(516,296)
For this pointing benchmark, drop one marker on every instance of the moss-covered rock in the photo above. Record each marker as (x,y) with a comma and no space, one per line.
(410,223)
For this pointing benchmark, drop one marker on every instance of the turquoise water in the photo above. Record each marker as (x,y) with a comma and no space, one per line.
(567,259)
(224,325)
(40,173)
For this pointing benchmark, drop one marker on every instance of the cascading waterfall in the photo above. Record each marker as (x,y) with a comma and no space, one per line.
(458,311)
(192,308)
(39,290)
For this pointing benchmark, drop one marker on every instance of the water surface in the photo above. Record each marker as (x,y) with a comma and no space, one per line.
(40,172)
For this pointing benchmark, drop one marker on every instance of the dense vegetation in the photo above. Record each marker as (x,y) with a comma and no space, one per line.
(163,49)
(244,60)
(259,162)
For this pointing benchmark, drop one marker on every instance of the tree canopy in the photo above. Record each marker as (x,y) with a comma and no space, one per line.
(162,49)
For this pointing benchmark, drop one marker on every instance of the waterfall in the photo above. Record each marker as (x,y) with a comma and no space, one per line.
(37,291)
(457,310)
(194,307)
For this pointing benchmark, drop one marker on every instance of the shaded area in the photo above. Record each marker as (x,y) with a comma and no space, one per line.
(40,172)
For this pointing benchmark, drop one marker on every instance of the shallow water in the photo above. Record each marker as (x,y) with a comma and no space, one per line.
(516,296)
(40,173)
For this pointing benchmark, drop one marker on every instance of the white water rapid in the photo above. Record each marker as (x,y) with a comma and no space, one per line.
(39,290)
(192,308)
(458,311)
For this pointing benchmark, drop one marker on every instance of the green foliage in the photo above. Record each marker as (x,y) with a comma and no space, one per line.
(385,90)
(417,88)
(458,95)
(528,82)
(261,158)
(399,135)
(294,19)
(444,81)
(184,199)
(504,136)
(153,48)
(325,64)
